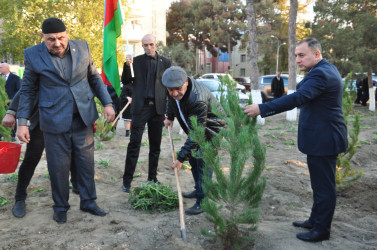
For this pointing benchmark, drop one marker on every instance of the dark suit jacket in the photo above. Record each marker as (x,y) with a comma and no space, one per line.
(321,130)
(277,87)
(140,83)
(12,85)
(56,95)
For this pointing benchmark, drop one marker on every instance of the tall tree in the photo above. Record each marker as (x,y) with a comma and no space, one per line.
(253,61)
(292,114)
(345,29)
(83,19)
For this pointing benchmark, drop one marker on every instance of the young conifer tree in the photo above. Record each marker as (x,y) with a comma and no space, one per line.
(232,198)
(5,133)
(344,172)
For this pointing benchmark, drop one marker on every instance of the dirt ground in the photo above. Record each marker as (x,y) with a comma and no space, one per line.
(287,198)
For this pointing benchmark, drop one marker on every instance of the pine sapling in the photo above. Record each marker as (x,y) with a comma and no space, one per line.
(231,199)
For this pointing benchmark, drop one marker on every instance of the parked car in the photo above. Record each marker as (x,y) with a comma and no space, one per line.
(214,85)
(265,85)
(245,81)
(218,76)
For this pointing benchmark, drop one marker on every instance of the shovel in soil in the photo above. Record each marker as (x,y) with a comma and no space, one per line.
(180,198)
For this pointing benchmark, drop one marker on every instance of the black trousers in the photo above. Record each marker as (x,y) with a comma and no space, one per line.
(322,178)
(33,154)
(148,115)
(77,146)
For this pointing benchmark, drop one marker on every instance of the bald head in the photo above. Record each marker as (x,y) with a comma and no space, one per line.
(4,68)
(149,45)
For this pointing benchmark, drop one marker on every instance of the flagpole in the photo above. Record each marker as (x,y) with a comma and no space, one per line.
(124,31)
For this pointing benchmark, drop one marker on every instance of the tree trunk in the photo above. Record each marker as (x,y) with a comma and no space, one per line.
(205,61)
(217,60)
(372,102)
(253,61)
(292,114)
(230,54)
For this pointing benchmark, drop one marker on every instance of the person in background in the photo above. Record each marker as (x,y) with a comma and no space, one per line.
(188,98)
(277,86)
(148,107)
(322,132)
(62,73)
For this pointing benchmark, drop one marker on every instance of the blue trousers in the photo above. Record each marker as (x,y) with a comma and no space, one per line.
(322,178)
(76,145)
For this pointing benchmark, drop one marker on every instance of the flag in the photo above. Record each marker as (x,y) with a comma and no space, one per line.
(111,31)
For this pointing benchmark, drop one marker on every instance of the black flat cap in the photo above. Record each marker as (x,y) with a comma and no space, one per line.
(174,77)
(53,25)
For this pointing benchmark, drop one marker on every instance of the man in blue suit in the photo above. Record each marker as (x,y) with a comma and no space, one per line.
(62,72)
(12,81)
(322,132)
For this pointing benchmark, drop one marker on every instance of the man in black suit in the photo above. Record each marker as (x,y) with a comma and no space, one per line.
(277,86)
(12,81)
(148,107)
(322,132)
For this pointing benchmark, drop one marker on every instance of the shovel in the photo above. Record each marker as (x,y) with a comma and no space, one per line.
(180,198)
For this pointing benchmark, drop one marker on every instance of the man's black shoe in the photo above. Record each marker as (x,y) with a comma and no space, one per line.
(189,194)
(194,210)
(304,224)
(126,189)
(60,217)
(93,209)
(313,236)
(19,209)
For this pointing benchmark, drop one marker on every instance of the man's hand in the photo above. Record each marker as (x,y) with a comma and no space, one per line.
(129,59)
(23,133)
(109,114)
(252,110)
(8,121)
(176,164)
(168,123)
(129,99)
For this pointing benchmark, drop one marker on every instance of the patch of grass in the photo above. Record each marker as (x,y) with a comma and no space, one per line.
(124,146)
(290,142)
(151,197)
(146,143)
(176,139)
(270,135)
(365,142)
(269,146)
(281,133)
(11,177)
(113,179)
(104,163)
(21,158)
(137,175)
(276,128)
(46,175)
(164,133)
(3,201)
(99,145)
(365,127)
(292,206)
(37,190)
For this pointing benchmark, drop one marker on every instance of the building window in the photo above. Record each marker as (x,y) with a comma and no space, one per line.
(242,72)
(243,58)
(208,67)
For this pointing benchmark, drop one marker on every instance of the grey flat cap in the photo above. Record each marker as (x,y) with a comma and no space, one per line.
(174,77)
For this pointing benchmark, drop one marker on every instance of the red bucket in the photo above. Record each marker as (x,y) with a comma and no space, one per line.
(9,156)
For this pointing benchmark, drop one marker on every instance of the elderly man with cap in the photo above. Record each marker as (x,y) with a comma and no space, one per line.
(62,72)
(188,98)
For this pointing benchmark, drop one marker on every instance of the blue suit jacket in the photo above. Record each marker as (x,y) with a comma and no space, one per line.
(56,95)
(321,129)
(12,85)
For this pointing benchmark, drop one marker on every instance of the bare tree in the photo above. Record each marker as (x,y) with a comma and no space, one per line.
(292,114)
(253,60)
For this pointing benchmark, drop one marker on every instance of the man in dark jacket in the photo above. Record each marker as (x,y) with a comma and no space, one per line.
(277,86)
(189,98)
(322,132)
